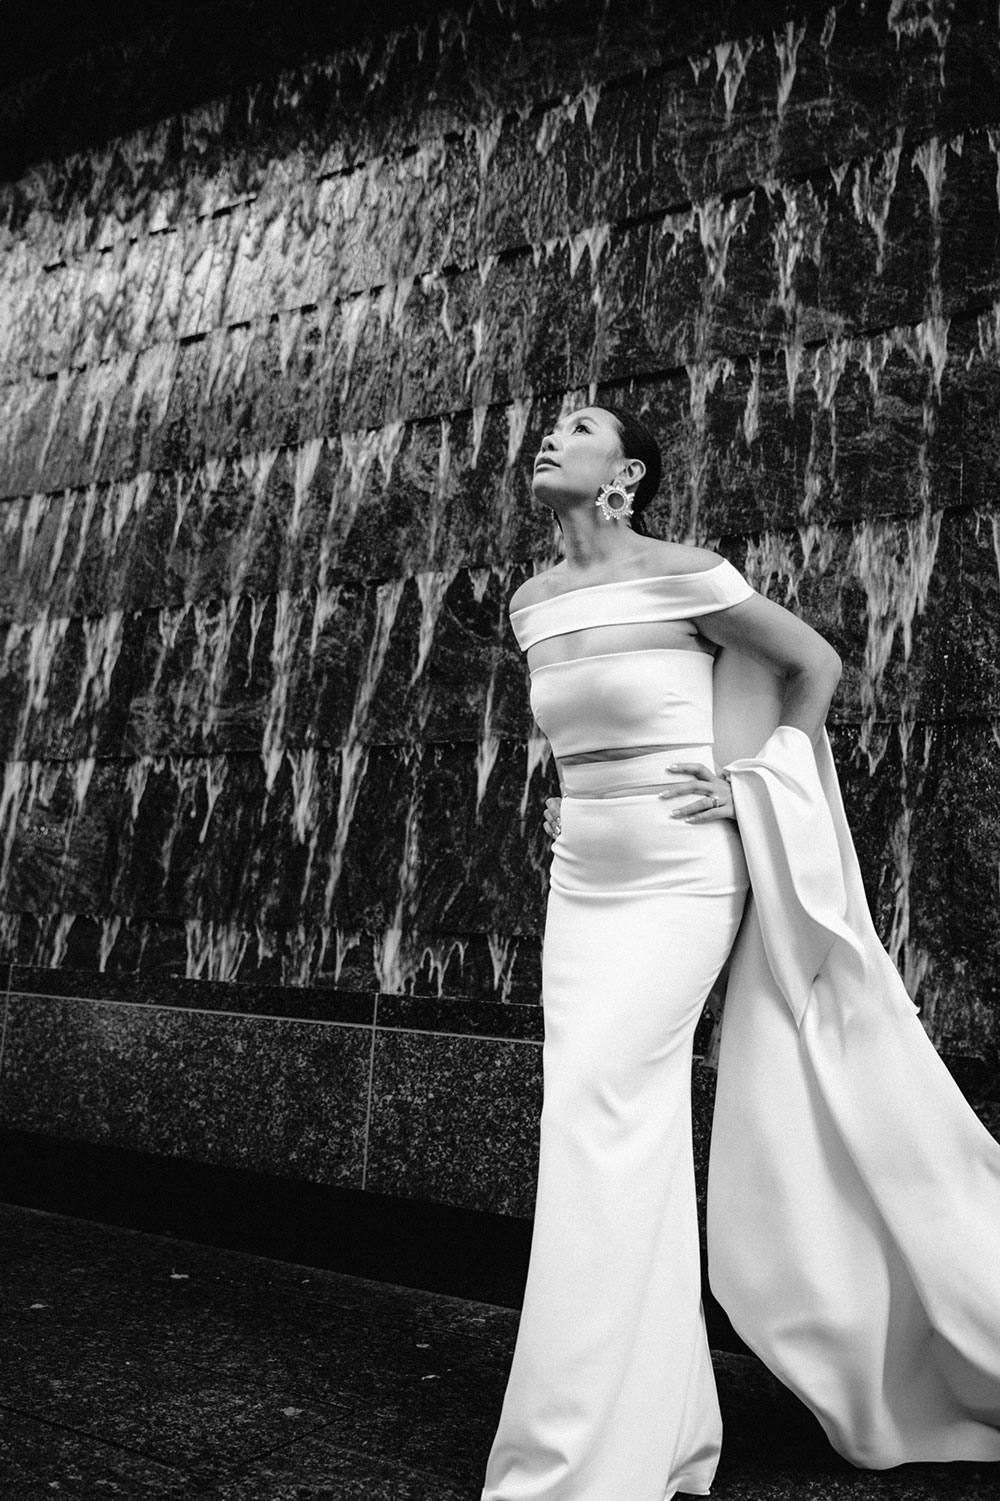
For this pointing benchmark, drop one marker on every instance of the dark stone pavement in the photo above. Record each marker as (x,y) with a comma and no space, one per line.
(139,1366)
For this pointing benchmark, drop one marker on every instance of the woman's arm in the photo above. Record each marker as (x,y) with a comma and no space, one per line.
(808,666)
(774,636)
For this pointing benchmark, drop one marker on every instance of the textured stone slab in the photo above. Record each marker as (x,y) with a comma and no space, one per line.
(276,1096)
(41,1458)
(869,434)
(432,658)
(325,971)
(417,867)
(290,1002)
(411,498)
(62,850)
(925,824)
(173,1415)
(337,108)
(754,445)
(406,838)
(890,239)
(521,1023)
(492,339)
(910,604)
(419,74)
(311,241)
(819,90)
(54,437)
(67,685)
(453,1119)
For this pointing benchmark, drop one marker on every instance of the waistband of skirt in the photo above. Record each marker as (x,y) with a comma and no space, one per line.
(646,770)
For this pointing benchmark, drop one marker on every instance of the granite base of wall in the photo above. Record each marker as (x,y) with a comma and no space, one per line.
(432,1099)
(361,1096)
(392,1137)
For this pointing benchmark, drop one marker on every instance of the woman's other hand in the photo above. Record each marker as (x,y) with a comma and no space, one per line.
(711,796)
(553,817)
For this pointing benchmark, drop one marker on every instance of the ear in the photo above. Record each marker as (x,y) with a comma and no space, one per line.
(632,472)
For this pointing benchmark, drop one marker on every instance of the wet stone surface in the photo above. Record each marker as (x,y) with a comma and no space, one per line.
(139,1366)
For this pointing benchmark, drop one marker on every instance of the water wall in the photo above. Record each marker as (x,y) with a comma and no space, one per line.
(275,353)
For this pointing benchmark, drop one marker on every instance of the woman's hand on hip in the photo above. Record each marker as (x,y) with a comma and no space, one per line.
(552,817)
(711,795)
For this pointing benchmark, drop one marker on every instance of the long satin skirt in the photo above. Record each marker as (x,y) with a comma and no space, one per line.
(611,1395)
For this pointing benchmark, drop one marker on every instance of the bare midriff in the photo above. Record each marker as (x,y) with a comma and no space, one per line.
(624,753)
(669,752)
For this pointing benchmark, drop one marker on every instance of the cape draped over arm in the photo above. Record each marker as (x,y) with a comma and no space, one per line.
(854,1196)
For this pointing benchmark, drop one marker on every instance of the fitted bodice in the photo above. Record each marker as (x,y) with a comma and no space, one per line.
(617,699)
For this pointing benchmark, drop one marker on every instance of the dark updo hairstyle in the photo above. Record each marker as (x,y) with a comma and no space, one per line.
(638,443)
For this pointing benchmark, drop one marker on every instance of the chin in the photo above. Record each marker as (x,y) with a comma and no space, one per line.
(546,487)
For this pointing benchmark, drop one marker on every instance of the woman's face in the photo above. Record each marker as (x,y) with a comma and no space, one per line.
(581,453)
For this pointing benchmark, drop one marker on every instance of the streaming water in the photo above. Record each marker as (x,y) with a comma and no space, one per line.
(188,275)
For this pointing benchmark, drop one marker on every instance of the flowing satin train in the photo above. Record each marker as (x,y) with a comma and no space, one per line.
(854,1197)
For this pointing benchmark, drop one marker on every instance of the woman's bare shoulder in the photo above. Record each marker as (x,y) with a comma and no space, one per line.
(653,560)
(538,586)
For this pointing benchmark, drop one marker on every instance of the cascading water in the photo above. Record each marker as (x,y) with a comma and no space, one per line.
(266,430)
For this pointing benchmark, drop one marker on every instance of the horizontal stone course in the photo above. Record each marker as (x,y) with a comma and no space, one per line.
(174,857)
(319,118)
(909,602)
(315,242)
(323,1001)
(279,1097)
(461,885)
(723,424)
(113,958)
(661,305)
(826,89)
(340,238)
(157,987)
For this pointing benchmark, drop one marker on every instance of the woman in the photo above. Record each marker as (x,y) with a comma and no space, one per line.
(828,1160)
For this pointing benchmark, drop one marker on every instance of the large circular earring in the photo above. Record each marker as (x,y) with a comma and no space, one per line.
(620,511)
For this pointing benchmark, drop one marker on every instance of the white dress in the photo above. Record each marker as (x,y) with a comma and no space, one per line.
(854,1215)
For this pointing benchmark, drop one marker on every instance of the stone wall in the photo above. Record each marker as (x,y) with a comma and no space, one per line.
(273,360)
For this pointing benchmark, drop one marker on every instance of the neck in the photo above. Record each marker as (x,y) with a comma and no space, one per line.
(590,542)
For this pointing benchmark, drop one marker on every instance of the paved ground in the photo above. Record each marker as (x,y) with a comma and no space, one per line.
(138,1366)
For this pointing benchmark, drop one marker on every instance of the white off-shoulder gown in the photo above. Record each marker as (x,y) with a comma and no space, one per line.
(854,1198)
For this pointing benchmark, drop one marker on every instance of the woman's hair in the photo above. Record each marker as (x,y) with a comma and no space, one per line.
(638,443)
